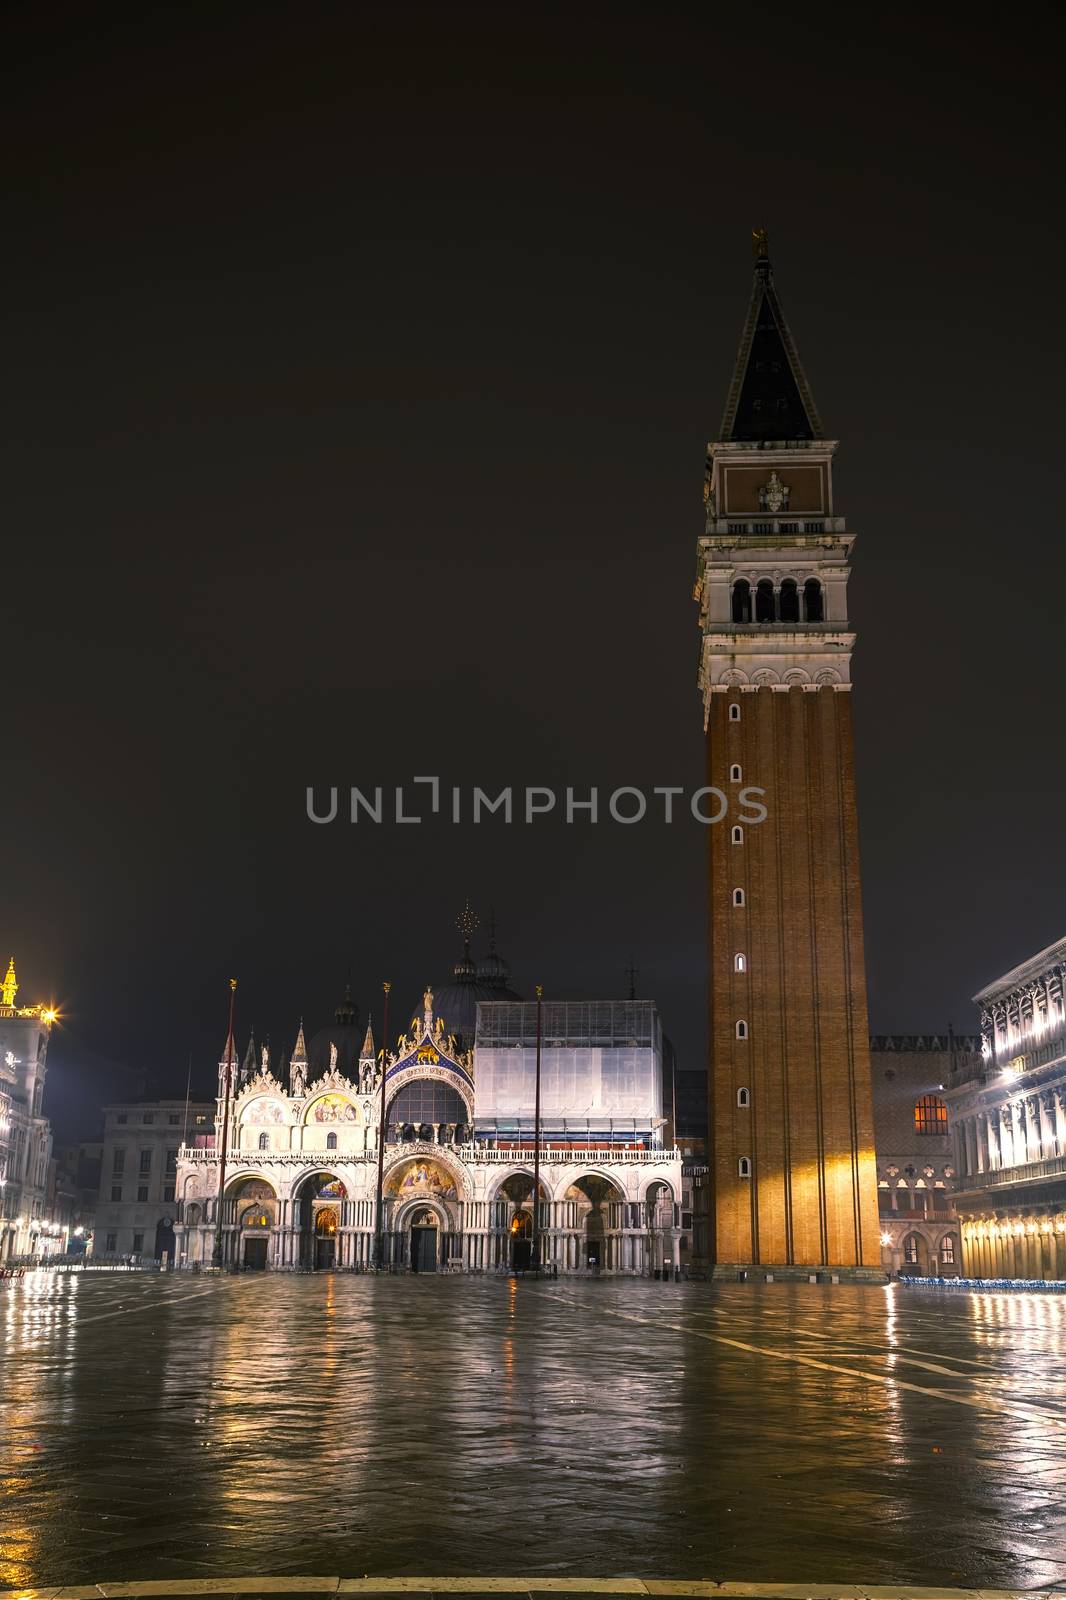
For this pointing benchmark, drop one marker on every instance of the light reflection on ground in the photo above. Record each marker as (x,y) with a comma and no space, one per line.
(157,1427)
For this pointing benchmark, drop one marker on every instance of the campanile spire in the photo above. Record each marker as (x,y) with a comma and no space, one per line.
(789,1073)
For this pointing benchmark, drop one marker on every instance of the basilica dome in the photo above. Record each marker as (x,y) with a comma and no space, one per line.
(489,979)
(345,1033)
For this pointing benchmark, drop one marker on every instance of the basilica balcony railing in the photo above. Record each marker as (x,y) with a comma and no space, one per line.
(470,1153)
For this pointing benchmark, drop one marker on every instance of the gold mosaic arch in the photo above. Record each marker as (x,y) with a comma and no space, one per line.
(424,1174)
(333,1108)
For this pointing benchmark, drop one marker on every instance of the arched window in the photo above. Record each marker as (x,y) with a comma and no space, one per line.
(742,1029)
(331,1141)
(931,1115)
(764,600)
(910,1249)
(264,1141)
(738,897)
(742,600)
(743,1098)
(735,774)
(812,601)
(789,605)
(426,1101)
(744,1167)
(740,962)
(734,712)
(947,1250)
(737,835)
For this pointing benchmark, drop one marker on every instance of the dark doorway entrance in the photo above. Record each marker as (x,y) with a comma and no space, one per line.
(593,1248)
(423,1249)
(325,1239)
(255,1255)
(164,1240)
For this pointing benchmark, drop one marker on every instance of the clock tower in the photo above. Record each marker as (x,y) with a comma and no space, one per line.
(791,1118)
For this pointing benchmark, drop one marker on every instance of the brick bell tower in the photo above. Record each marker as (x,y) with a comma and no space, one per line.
(791,1117)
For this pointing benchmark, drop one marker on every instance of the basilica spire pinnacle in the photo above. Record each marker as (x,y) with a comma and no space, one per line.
(769,397)
(9,988)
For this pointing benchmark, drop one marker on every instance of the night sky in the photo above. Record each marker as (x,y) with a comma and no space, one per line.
(359,367)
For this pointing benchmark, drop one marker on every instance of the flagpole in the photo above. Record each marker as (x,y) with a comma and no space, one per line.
(379,1241)
(217,1257)
(535,1252)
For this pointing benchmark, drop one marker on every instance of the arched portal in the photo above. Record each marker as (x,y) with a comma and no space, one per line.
(422,1214)
(319,1202)
(600,1216)
(517,1193)
(253,1208)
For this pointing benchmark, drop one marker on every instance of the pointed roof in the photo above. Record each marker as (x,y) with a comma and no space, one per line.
(249,1054)
(367,1052)
(10,984)
(299,1052)
(769,397)
(229,1051)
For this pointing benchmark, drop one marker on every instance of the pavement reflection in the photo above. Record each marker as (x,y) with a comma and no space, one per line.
(161,1427)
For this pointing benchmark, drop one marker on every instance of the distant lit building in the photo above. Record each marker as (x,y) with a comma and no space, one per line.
(137,1207)
(1007,1110)
(301,1177)
(915,1163)
(26,1229)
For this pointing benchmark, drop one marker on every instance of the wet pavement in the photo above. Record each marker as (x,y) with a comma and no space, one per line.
(165,1427)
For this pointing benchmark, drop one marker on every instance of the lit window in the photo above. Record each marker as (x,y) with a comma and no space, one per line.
(734,712)
(738,897)
(734,774)
(947,1250)
(910,1250)
(737,836)
(742,1030)
(743,1098)
(744,1167)
(930,1115)
(200,1119)
(740,962)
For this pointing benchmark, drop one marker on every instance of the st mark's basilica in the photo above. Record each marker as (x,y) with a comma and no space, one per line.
(302,1159)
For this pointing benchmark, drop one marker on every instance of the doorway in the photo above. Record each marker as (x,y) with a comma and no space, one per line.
(593,1254)
(255,1255)
(424,1249)
(521,1241)
(325,1240)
